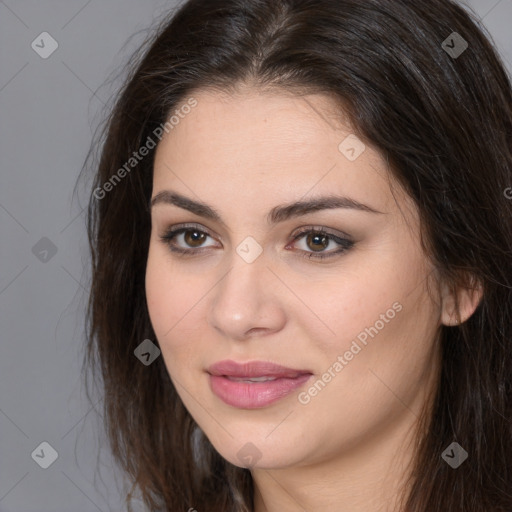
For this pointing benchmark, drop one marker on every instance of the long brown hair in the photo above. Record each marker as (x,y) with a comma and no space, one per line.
(439,111)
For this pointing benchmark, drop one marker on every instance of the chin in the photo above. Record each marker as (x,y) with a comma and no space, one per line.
(259,453)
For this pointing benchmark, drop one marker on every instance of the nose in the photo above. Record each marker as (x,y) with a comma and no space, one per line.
(247,301)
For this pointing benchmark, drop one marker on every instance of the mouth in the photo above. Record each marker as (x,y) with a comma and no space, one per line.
(254,384)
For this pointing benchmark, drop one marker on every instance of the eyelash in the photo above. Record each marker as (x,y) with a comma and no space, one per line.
(345,243)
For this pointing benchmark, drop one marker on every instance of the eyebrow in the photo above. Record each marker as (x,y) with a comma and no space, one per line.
(276,214)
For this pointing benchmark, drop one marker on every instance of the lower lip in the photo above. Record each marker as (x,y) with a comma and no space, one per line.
(254,395)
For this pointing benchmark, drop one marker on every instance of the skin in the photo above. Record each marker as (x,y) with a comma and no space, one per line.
(349,447)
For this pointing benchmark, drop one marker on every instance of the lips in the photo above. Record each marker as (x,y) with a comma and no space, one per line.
(254,369)
(254,384)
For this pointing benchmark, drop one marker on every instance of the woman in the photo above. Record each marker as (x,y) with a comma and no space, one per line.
(301,248)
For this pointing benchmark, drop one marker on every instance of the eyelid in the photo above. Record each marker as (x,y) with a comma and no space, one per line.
(190,225)
(322,229)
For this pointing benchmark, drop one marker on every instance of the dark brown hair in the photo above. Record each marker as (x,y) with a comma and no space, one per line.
(444,124)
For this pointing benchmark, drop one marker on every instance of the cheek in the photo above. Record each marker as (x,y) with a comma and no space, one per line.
(173,302)
(379,316)
(377,380)
(381,353)
(347,304)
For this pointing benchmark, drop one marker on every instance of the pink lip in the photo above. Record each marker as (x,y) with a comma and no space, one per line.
(253,395)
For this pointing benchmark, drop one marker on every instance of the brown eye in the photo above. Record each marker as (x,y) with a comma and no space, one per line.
(194,238)
(190,240)
(317,241)
(186,240)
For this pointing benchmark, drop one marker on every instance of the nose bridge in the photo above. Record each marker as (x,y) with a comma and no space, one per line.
(242,283)
(243,299)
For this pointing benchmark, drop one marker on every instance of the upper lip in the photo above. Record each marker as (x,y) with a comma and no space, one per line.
(250,369)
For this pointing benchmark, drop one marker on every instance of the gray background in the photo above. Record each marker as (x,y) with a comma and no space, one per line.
(49,109)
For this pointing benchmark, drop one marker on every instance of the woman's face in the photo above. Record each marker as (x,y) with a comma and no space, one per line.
(352,333)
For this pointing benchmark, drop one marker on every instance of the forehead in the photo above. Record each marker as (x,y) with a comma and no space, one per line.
(276,120)
(268,146)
